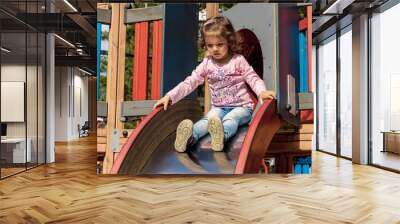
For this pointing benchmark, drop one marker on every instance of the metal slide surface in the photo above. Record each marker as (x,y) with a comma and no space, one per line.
(199,159)
(248,146)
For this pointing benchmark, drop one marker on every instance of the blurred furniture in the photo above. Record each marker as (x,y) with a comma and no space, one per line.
(391,141)
(13,150)
(84,130)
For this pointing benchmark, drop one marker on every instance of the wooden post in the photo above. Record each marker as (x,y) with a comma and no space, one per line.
(115,79)
(212,9)
(121,69)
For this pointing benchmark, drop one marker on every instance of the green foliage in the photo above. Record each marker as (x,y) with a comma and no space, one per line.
(104,35)
(129,46)
(302,12)
(103,69)
(103,86)
(226,6)
(130,124)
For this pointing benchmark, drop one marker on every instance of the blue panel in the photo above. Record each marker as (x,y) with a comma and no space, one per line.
(306,168)
(288,57)
(297,168)
(98,58)
(179,44)
(303,62)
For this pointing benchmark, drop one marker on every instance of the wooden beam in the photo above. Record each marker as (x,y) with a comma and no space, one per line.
(144,14)
(121,66)
(101,109)
(212,9)
(305,101)
(103,6)
(112,77)
(104,16)
(137,108)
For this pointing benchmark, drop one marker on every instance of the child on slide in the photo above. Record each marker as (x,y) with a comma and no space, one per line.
(227,73)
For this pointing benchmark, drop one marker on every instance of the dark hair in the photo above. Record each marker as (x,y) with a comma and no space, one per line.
(219,26)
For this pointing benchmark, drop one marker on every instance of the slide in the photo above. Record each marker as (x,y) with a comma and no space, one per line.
(150,148)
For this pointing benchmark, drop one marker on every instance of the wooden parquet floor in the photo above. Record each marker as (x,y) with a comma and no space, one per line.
(69,191)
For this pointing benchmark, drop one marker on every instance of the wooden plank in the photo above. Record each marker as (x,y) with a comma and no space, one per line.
(101,140)
(121,68)
(306,106)
(122,138)
(104,16)
(103,6)
(122,141)
(292,137)
(140,61)
(212,9)
(136,108)
(101,109)
(306,128)
(299,145)
(156,60)
(101,147)
(116,155)
(102,132)
(144,14)
(112,73)
(306,98)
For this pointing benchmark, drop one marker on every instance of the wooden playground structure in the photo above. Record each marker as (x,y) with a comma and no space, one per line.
(153,27)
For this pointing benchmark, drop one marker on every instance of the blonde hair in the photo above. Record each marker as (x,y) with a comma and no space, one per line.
(219,26)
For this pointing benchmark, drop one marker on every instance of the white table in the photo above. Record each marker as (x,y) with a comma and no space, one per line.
(18,149)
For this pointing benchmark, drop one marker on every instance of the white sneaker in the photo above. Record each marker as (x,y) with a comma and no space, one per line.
(183,133)
(216,131)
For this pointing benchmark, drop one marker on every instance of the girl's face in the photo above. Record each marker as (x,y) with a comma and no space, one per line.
(217,47)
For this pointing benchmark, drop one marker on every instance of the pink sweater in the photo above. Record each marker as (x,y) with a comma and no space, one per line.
(227,82)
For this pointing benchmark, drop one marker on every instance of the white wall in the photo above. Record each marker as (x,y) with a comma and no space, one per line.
(34,123)
(61,103)
(71,87)
(9,73)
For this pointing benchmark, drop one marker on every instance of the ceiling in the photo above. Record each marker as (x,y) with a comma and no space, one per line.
(72,20)
(330,15)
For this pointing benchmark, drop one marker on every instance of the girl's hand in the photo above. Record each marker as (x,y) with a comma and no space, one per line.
(264,95)
(163,101)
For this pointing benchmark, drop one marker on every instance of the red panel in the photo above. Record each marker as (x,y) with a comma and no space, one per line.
(303,24)
(309,46)
(140,61)
(125,148)
(156,60)
(263,127)
(307,116)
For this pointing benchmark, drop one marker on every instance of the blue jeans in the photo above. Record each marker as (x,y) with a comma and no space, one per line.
(231,117)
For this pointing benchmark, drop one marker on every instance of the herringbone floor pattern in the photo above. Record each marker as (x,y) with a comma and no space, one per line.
(70,192)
